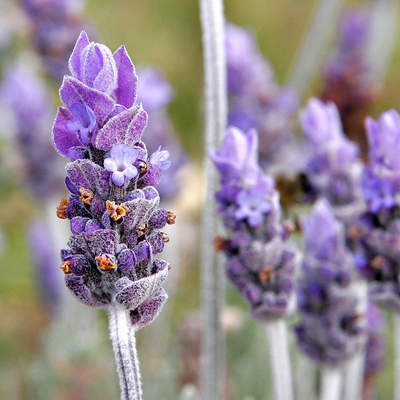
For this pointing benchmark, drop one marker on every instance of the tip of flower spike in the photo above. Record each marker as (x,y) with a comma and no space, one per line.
(105,264)
(62,208)
(66,267)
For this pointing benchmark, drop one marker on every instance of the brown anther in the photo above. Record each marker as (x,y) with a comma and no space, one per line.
(116,211)
(169,267)
(265,274)
(142,229)
(165,237)
(357,317)
(378,262)
(143,167)
(105,264)
(86,195)
(220,243)
(62,208)
(289,227)
(171,218)
(353,232)
(66,267)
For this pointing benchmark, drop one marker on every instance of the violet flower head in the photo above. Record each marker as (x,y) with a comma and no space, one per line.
(156,93)
(113,206)
(55,25)
(258,261)
(377,245)
(331,326)
(29,102)
(255,99)
(333,168)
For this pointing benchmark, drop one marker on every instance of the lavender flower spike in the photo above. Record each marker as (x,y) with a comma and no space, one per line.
(113,206)
(259,262)
(331,329)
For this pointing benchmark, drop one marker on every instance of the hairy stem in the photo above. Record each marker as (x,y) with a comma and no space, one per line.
(280,360)
(331,385)
(213,353)
(124,345)
(309,59)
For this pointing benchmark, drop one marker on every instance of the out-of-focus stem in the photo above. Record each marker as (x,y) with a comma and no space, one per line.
(382,37)
(213,353)
(280,360)
(305,378)
(396,319)
(123,341)
(309,59)
(331,384)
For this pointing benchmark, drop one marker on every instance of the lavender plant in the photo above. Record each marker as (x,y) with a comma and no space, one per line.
(331,326)
(259,262)
(255,99)
(55,24)
(113,206)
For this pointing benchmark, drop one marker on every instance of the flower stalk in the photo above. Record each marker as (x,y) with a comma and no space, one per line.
(123,340)
(331,385)
(213,371)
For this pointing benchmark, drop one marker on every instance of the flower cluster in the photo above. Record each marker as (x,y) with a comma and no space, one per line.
(113,206)
(259,263)
(333,168)
(55,25)
(345,78)
(255,100)
(378,231)
(29,102)
(155,93)
(331,326)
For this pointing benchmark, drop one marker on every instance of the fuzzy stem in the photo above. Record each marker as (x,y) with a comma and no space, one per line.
(382,38)
(331,385)
(308,60)
(396,320)
(123,340)
(280,360)
(213,349)
(305,378)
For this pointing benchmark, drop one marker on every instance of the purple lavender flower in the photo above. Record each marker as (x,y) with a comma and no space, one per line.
(331,328)
(113,207)
(155,93)
(29,101)
(333,168)
(55,25)
(255,100)
(45,258)
(259,263)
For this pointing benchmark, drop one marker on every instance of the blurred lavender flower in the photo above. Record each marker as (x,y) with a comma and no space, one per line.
(331,328)
(55,26)
(333,168)
(346,80)
(28,100)
(259,263)
(377,233)
(45,259)
(113,206)
(155,93)
(255,100)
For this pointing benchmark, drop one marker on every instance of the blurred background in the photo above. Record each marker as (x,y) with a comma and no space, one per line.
(164,34)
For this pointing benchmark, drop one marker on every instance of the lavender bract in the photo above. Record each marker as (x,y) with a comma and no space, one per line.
(255,100)
(333,168)
(377,233)
(113,207)
(259,263)
(331,328)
